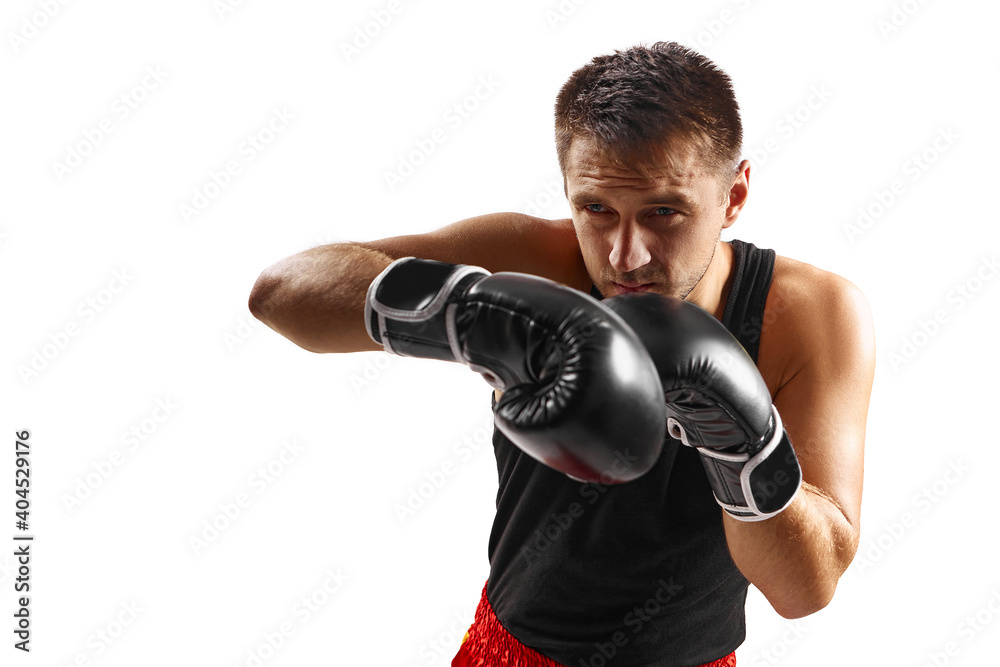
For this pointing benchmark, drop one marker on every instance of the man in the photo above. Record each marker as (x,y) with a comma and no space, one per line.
(649,572)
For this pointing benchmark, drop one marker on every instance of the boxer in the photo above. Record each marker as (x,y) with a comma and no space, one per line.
(759,478)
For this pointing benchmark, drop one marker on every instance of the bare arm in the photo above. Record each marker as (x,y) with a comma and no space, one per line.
(797,557)
(316,298)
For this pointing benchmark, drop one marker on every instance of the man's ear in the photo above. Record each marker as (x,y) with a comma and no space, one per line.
(739,191)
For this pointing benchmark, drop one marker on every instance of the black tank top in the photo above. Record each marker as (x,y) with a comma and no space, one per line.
(632,574)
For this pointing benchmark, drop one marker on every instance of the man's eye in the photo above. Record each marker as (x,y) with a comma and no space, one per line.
(665,210)
(595,208)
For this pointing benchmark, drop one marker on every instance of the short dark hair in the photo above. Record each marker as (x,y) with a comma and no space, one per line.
(634,104)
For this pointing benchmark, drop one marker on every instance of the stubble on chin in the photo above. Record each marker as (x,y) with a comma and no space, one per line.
(659,279)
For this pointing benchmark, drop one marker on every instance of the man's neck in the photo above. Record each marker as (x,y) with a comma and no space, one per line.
(711,291)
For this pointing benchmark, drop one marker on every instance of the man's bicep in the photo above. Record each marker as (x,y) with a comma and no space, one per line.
(496,242)
(824,405)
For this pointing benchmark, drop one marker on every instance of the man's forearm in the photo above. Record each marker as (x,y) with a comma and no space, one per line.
(797,557)
(316,298)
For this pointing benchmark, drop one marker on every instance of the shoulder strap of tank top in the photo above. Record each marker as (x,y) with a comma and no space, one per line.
(753,269)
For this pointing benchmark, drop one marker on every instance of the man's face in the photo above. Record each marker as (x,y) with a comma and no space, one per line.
(645,234)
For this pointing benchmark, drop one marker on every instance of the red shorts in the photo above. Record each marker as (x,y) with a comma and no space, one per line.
(488,644)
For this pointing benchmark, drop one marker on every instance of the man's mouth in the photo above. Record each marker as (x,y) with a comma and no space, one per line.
(627,288)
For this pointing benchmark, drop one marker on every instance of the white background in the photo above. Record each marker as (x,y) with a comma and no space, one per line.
(869,85)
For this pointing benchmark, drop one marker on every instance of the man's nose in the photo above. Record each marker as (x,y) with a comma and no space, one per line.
(630,250)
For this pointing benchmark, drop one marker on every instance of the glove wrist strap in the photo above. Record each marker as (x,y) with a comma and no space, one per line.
(390,309)
(770,479)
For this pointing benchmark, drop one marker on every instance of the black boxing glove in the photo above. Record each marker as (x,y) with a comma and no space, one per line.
(717,401)
(580,392)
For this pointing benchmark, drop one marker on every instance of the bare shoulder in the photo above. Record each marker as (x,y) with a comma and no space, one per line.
(812,318)
(805,285)
(499,242)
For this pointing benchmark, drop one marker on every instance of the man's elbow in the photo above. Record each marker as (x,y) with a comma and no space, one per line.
(805,603)
(264,304)
(262,296)
(817,589)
